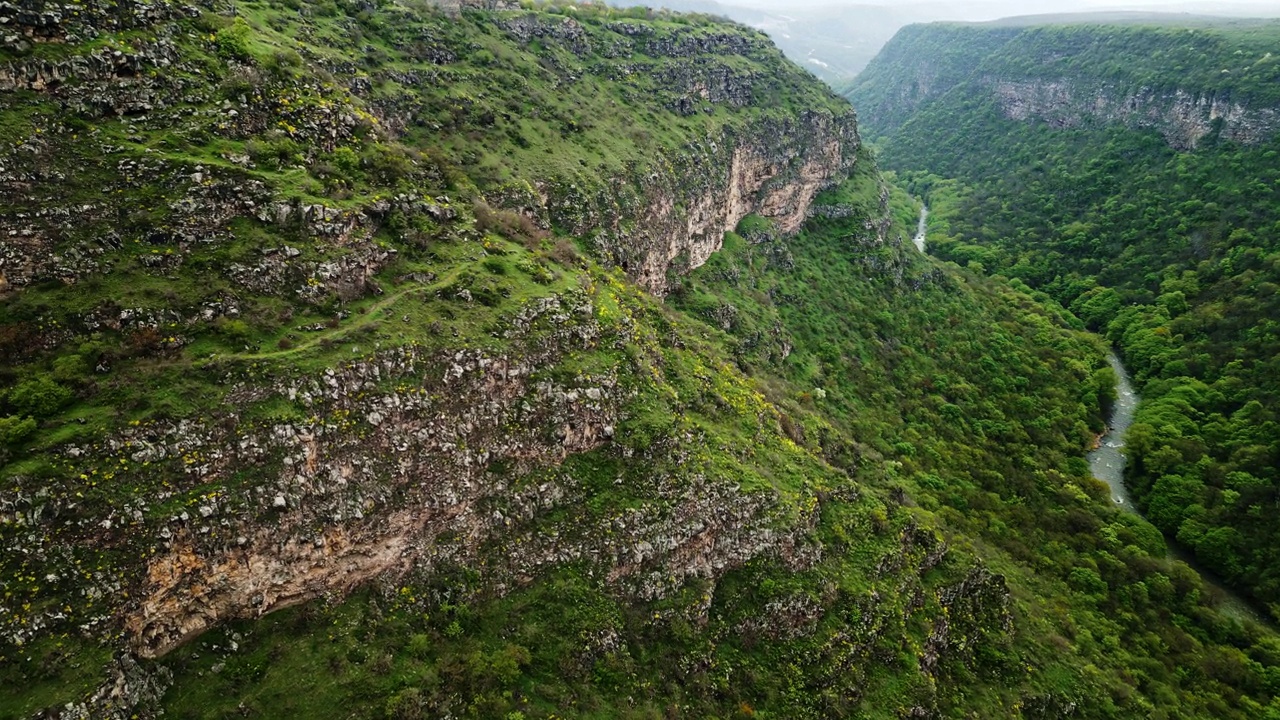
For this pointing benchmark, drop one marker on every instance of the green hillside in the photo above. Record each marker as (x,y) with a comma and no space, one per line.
(1170,251)
(1227,60)
(475,360)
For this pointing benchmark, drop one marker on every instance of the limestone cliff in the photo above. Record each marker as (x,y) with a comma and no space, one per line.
(395,474)
(774,170)
(1184,118)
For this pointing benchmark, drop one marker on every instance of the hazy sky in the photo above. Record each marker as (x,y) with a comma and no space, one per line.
(990,9)
(835,39)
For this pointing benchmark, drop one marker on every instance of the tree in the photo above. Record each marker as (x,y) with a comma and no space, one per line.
(1171,497)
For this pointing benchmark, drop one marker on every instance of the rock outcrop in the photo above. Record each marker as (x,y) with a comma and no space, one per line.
(394,474)
(456,6)
(775,172)
(1183,118)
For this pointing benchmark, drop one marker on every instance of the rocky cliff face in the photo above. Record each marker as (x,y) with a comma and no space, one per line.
(399,473)
(666,216)
(918,65)
(673,217)
(774,170)
(1183,118)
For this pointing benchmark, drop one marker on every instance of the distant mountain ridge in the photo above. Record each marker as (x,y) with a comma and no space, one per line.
(1189,77)
(836,41)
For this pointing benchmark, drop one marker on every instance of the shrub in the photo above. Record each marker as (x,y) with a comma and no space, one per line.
(239,83)
(406,705)
(277,150)
(17,340)
(237,331)
(70,369)
(144,341)
(346,161)
(211,22)
(14,430)
(495,266)
(390,163)
(282,63)
(537,271)
(40,397)
(419,646)
(233,40)
(564,252)
(508,223)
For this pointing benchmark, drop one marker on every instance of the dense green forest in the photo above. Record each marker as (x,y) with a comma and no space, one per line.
(385,360)
(1173,255)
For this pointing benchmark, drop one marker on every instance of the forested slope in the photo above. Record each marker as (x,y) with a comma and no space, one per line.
(1158,226)
(402,360)
(1184,76)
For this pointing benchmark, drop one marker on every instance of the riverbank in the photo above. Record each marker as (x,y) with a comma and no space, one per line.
(1107,462)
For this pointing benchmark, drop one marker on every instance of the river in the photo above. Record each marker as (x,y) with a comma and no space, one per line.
(1107,462)
(920,228)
